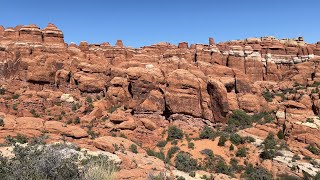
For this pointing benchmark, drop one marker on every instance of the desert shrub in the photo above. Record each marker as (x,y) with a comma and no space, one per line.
(190,145)
(31,162)
(123,135)
(58,161)
(223,168)
(262,118)
(309,120)
(162,143)
(76,120)
(296,157)
(207,152)
(113,109)
(133,148)
(280,134)
(174,133)
(317,176)
(288,177)
(184,162)
(160,176)
(171,152)
(249,139)
(315,84)
(192,174)
(222,140)
(89,100)
(313,149)
(15,96)
(236,139)
(283,97)
(98,167)
(267,154)
(231,148)
(34,113)
(268,96)
(75,107)
(241,152)
(256,173)
(2,91)
(41,140)
(180,178)
(91,133)
(159,155)
(234,166)
(207,133)
(270,142)
(174,142)
(240,119)
(18,139)
(1,122)
(21,139)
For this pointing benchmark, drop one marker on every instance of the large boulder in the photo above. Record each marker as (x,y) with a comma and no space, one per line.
(182,93)
(57,127)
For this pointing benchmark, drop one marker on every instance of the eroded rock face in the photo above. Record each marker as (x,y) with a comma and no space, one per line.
(81,92)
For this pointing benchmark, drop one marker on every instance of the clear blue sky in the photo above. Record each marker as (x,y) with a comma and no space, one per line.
(144,22)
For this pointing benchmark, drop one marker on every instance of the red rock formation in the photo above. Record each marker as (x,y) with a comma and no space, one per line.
(140,91)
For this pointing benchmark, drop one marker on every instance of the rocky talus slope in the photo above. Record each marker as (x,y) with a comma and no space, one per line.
(187,111)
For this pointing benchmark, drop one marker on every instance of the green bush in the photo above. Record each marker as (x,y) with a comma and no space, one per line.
(34,113)
(123,135)
(207,152)
(18,139)
(223,168)
(1,122)
(240,119)
(133,148)
(207,133)
(159,155)
(162,143)
(113,109)
(256,173)
(268,96)
(249,139)
(53,162)
(313,149)
(309,120)
(15,96)
(267,154)
(288,177)
(241,152)
(280,134)
(191,145)
(270,142)
(222,140)
(192,174)
(89,100)
(77,120)
(2,91)
(236,139)
(174,133)
(234,165)
(171,152)
(231,148)
(91,133)
(160,176)
(185,163)
(296,157)
(262,118)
